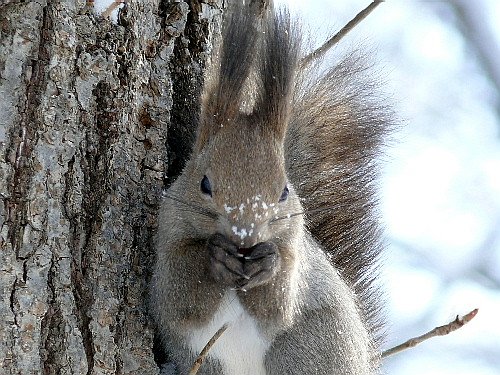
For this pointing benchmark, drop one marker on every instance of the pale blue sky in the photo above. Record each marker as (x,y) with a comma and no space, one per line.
(441,187)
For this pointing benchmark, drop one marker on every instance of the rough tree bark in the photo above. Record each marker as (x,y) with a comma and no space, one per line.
(85,109)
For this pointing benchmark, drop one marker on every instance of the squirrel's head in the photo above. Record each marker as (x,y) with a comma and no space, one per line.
(239,176)
(237,170)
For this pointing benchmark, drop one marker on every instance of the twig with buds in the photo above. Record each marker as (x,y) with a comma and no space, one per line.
(438,331)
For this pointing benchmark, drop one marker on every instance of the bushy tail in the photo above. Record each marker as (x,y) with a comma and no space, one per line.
(337,127)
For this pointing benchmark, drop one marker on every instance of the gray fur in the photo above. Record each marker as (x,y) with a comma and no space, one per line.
(318,137)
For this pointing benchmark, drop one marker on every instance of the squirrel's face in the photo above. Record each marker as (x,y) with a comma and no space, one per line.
(240,178)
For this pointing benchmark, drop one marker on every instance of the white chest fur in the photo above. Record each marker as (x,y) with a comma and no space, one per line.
(241,348)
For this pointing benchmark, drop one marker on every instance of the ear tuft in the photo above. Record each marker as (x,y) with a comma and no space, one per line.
(222,94)
(244,72)
(277,70)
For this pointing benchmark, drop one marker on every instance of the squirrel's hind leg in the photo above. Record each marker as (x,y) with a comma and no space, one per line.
(317,345)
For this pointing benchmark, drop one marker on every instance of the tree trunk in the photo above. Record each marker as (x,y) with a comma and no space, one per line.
(85,109)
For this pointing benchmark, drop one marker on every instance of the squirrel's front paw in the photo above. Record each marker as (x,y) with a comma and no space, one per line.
(226,263)
(242,268)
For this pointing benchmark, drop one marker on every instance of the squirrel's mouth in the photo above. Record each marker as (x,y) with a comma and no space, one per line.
(257,251)
(245,251)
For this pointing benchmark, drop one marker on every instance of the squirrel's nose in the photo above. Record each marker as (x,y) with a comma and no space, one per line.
(243,236)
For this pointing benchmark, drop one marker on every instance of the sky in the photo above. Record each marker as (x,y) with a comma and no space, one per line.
(441,184)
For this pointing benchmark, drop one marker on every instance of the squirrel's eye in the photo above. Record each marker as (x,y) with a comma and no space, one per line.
(205,186)
(284,194)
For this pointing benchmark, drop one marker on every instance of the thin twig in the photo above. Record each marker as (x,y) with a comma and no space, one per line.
(204,352)
(340,34)
(112,7)
(480,38)
(438,331)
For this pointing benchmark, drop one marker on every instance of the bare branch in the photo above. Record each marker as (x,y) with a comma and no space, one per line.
(115,4)
(340,34)
(480,38)
(204,352)
(438,331)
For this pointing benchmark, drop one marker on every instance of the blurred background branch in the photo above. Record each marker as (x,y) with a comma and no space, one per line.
(471,20)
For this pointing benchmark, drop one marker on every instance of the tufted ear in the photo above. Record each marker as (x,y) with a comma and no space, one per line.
(225,81)
(279,61)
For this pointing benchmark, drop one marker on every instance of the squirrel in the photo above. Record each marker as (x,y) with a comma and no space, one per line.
(272,226)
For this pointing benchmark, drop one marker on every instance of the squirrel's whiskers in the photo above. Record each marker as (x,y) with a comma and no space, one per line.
(272,226)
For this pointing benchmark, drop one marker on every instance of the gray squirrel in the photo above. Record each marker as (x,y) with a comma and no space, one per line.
(272,226)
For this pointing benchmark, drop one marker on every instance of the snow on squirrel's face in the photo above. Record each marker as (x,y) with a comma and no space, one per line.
(242,177)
